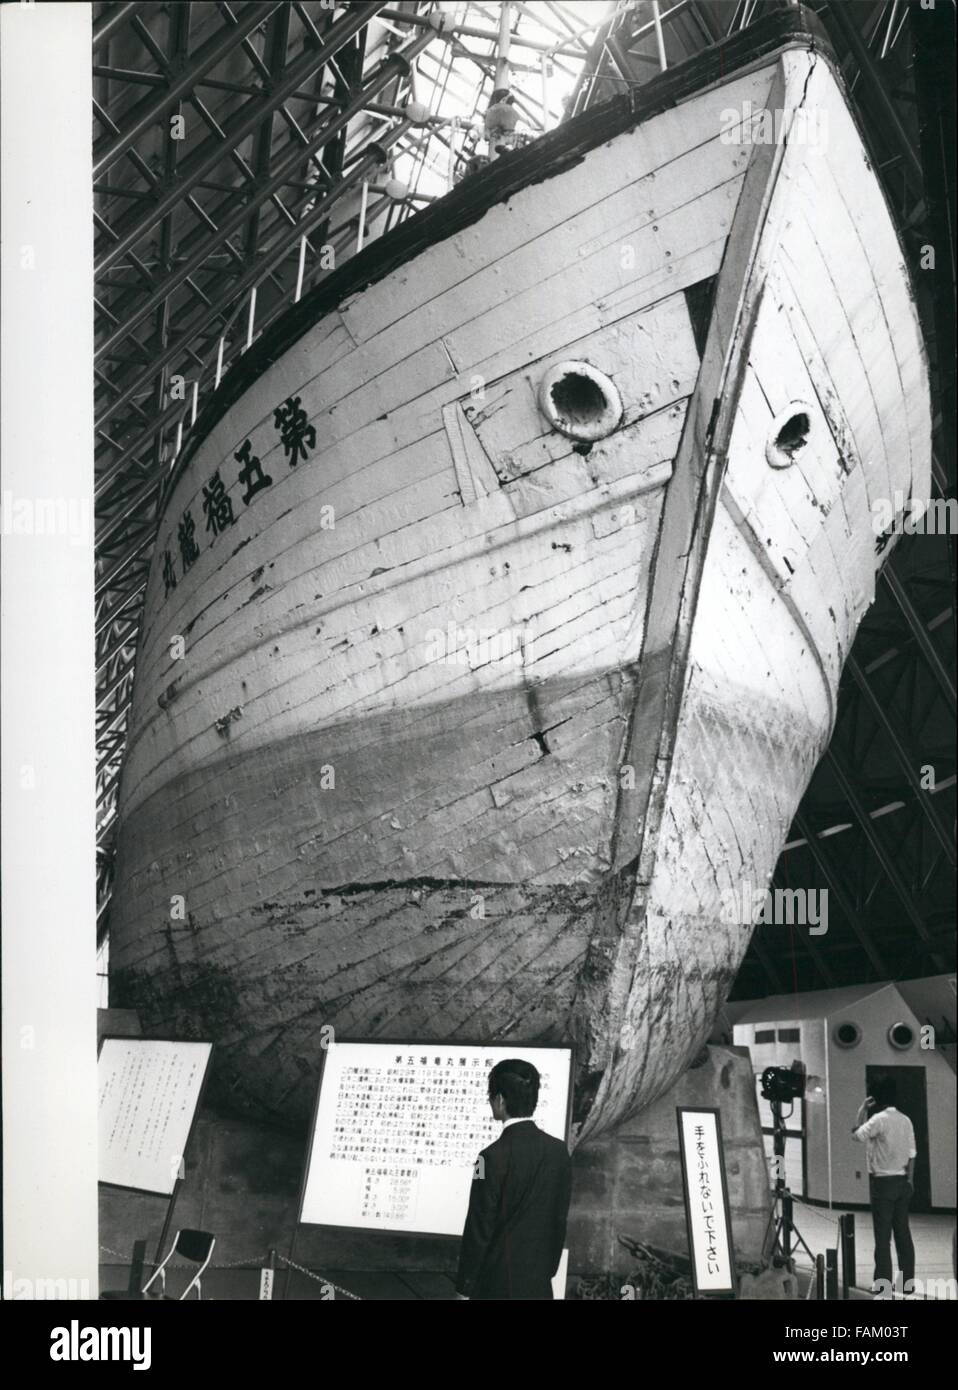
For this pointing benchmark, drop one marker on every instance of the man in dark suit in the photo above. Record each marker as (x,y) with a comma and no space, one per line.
(515,1227)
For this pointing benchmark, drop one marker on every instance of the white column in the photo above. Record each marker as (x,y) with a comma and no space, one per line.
(828,1109)
(47,698)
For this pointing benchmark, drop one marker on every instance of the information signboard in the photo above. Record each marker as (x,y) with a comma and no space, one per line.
(149,1092)
(398,1128)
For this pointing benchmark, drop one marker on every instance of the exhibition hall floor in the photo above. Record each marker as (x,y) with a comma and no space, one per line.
(932,1235)
(242,1285)
(819,1227)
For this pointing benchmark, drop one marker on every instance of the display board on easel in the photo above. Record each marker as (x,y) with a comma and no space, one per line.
(149,1094)
(398,1127)
(705,1186)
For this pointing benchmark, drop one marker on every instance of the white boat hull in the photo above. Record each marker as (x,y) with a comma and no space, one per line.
(470,728)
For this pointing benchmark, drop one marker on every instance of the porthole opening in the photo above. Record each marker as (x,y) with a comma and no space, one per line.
(789,435)
(901,1036)
(579,401)
(794,433)
(847,1035)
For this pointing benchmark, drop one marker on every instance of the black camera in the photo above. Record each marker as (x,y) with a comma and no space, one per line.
(781,1084)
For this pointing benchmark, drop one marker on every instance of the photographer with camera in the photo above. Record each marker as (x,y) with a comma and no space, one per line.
(891,1153)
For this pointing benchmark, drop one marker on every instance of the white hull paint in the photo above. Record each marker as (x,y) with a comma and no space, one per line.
(530,842)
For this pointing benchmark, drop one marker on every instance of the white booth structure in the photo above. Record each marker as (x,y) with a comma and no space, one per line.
(847,1038)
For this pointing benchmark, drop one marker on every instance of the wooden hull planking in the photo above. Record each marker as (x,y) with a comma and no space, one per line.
(529,838)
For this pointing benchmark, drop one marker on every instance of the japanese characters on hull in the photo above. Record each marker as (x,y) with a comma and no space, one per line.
(298,438)
(399,1126)
(149,1092)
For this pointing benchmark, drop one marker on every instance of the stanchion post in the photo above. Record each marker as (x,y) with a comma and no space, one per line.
(820,1277)
(135,1282)
(846,1225)
(168,1219)
(831,1273)
(267,1277)
(289,1262)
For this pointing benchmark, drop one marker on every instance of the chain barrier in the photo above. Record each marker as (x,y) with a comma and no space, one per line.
(817,1212)
(124,1258)
(318,1277)
(255,1263)
(247,1262)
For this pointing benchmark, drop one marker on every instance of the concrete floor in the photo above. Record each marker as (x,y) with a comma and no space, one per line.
(932,1236)
(242,1285)
(818,1226)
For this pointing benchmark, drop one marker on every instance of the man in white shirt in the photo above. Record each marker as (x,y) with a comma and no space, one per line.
(890,1141)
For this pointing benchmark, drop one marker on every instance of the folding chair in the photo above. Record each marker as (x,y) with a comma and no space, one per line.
(195,1246)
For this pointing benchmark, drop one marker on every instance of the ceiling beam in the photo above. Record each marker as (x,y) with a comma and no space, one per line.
(880,850)
(116,473)
(212,152)
(839,16)
(765,961)
(834,884)
(152,109)
(110,21)
(276,252)
(134,595)
(919,632)
(933,34)
(907,760)
(235,220)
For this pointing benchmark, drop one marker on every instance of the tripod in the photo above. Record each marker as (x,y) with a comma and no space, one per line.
(782,1236)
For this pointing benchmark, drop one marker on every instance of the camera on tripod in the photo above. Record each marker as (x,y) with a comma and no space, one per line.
(782,1084)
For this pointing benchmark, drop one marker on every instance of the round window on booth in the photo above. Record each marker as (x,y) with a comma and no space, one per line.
(847,1034)
(901,1036)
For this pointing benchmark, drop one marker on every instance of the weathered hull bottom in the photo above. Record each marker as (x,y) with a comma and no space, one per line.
(423,957)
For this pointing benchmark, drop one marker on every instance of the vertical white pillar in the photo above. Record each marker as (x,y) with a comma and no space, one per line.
(363,205)
(251,318)
(659,36)
(828,1110)
(301,266)
(47,702)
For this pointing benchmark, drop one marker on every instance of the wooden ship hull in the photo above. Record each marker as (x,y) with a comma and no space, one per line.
(464,725)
